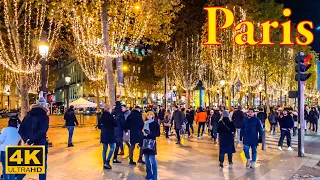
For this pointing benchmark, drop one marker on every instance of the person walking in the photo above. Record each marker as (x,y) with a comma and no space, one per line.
(107,124)
(226,131)
(296,123)
(262,116)
(118,131)
(314,116)
(33,131)
(178,118)
(167,123)
(237,119)
(214,124)
(151,132)
(161,116)
(126,135)
(190,119)
(201,118)
(251,135)
(273,121)
(9,137)
(135,124)
(71,121)
(286,124)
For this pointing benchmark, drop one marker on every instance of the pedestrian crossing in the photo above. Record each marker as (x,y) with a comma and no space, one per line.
(272,141)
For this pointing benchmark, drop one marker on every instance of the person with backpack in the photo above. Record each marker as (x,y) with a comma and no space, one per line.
(273,121)
(33,131)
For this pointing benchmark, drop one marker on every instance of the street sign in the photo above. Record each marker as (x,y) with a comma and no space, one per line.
(293,94)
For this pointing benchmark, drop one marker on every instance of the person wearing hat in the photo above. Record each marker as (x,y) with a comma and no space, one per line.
(286,124)
(226,131)
(71,121)
(251,135)
(33,130)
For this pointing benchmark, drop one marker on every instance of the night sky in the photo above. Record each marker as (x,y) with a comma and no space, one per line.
(306,10)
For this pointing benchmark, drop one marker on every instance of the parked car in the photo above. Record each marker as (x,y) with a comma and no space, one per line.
(9,114)
(89,111)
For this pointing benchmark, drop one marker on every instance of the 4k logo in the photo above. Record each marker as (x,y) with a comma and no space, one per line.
(25,160)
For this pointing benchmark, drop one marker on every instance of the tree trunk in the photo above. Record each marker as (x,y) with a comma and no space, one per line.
(188,98)
(108,63)
(24,95)
(97,98)
(228,96)
(266,93)
(2,107)
(250,89)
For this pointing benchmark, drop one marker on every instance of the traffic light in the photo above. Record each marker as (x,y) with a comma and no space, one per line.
(302,66)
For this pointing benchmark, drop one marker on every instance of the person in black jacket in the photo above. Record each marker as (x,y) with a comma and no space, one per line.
(33,130)
(71,121)
(251,135)
(190,119)
(214,124)
(286,123)
(107,124)
(273,121)
(237,119)
(118,130)
(135,124)
(262,116)
(314,116)
(226,130)
(151,131)
(178,118)
(161,113)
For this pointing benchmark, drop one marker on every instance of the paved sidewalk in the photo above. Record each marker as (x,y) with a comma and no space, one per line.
(196,160)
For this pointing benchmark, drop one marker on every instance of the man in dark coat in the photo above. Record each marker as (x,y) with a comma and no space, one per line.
(118,130)
(33,130)
(262,116)
(251,134)
(107,124)
(314,116)
(178,118)
(214,123)
(71,121)
(237,119)
(190,119)
(135,124)
(226,130)
(286,123)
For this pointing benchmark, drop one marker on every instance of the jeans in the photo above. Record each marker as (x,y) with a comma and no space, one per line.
(221,158)
(190,125)
(214,135)
(201,124)
(131,150)
(70,129)
(3,160)
(104,152)
(246,149)
(41,176)
(178,134)
(238,135)
(315,126)
(166,129)
(116,151)
(287,134)
(151,167)
(273,128)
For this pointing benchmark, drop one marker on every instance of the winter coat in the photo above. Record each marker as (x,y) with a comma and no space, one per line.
(272,118)
(214,121)
(161,114)
(135,124)
(190,116)
(70,117)
(286,122)
(126,114)
(201,117)
(306,116)
(120,120)
(251,131)
(226,130)
(107,124)
(313,116)
(178,118)
(262,116)
(154,133)
(35,126)
(237,118)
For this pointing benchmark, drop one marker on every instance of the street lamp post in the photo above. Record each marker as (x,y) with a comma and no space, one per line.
(260,95)
(8,95)
(43,51)
(67,78)
(222,83)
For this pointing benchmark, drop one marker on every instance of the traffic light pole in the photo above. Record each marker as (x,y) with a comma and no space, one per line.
(300,113)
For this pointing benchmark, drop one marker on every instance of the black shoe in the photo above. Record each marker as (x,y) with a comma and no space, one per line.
(107,166)
(230,163)
(178,142)
(70,145)
(141,161)
(115,161)
(132,162)
(221,165)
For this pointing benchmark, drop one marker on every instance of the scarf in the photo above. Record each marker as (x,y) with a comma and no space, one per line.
(146,127)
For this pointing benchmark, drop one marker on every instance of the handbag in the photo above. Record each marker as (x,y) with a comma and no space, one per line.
(228,128)
(149,144)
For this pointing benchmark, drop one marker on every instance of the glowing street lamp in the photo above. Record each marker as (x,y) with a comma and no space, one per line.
(43,51)
(67,78)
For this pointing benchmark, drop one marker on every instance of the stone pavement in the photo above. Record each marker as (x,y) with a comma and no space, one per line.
(196,159)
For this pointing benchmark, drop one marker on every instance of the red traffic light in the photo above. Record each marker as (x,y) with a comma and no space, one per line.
(307,59)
